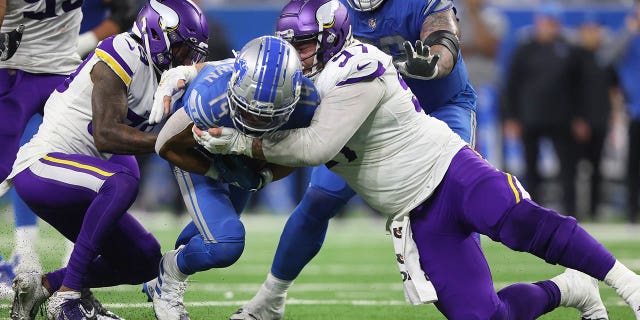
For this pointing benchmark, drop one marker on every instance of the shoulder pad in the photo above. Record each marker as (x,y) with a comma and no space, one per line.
(359,62)
(122,54)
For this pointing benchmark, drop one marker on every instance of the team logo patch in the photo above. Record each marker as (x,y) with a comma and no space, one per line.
(397,232)
(372,23)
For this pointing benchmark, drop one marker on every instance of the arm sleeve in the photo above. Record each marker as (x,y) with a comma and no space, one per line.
(340,114)
(174,125)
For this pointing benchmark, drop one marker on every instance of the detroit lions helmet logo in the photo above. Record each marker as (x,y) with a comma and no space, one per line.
(241,70)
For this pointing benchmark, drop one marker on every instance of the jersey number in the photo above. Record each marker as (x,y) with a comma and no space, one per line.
(347,153)
(50,9)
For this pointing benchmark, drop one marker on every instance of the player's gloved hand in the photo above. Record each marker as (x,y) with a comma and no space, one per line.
(229,141)
(235,171)
(9,42)
(420,63)
(171,88)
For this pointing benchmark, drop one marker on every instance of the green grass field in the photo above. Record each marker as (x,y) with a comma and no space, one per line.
(353,277)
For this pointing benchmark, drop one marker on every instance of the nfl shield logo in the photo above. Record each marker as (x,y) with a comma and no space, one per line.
(372,23)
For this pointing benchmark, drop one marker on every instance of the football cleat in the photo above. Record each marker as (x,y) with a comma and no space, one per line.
(61,308)
(580,291)
(29,294)
(167,294)
(263,306)
(101,312)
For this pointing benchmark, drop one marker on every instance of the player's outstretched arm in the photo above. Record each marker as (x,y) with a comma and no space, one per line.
(109,106)
(441,34)
(176,144)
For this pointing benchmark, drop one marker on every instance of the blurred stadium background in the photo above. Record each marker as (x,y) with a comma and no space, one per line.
(355,276)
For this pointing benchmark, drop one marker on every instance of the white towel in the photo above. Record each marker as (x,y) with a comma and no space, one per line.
(417,288)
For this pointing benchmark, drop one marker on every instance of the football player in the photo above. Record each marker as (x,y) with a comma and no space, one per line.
(37,52)
(436,190)
(434,70)
(79,174)
(260,91)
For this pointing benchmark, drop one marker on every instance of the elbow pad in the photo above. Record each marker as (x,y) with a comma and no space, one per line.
(445,38)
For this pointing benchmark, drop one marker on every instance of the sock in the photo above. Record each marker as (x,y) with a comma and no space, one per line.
(170,264)
(277,286)
(68,295)
(625,281)
(25,237)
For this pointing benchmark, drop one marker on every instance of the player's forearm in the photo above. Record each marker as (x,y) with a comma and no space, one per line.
(122,139)
(444,20)
(180,150)
(340,114)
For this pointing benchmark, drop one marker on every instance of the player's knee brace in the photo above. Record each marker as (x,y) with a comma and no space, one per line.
(540,231)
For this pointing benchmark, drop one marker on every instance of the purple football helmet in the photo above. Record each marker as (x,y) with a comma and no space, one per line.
(325,21)
(173,32)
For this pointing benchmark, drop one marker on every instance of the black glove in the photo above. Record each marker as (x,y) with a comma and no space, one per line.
(9,42)
(420,64)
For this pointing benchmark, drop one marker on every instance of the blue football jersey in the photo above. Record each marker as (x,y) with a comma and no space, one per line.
(205,99)
(398,20)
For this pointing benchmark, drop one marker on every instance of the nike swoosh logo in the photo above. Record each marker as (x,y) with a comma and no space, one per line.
(88,314)
(359,67)
(130,46)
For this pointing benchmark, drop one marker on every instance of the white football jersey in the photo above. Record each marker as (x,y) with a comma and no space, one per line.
(67,127)
(50,37)
(399,155)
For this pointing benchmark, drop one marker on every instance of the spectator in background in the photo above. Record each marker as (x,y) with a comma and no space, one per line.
(598,79)
(540,100)
(628,66)
(482,29)
(104,18)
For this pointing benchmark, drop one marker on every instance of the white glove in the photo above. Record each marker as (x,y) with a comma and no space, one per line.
(231,141)
(170,86)
(86,43)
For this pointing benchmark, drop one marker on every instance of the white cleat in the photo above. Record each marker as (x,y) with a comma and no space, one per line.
(28,297)
(263,306)
(580,291)
(167,294)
